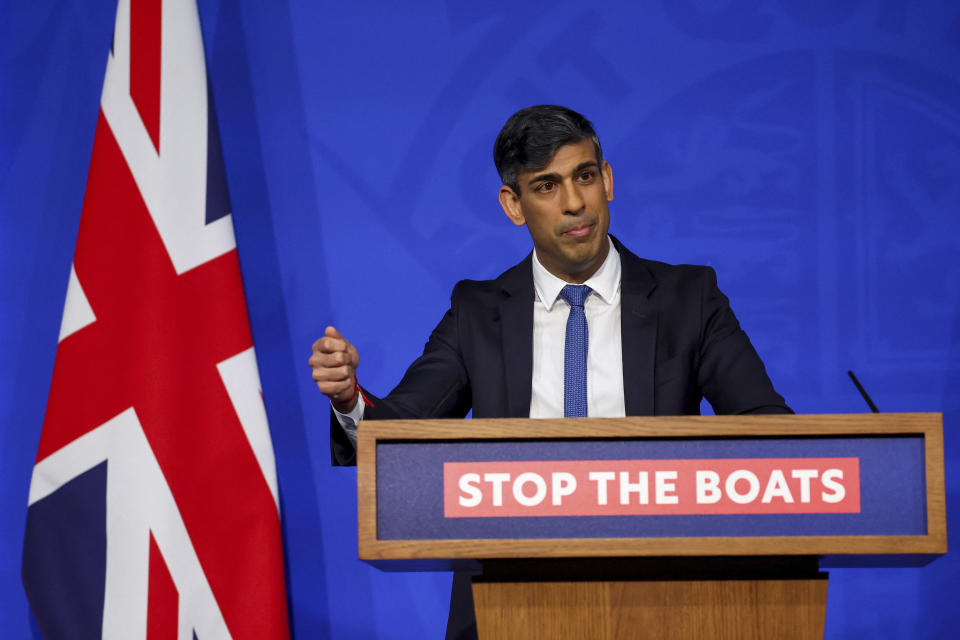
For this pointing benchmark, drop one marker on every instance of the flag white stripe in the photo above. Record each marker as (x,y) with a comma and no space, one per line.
(77,312)
(240,377)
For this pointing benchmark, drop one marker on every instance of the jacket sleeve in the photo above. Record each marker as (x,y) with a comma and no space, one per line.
(436,385)
(730,372)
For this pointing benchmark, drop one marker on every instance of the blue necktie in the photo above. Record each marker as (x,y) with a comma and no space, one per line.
(575,353)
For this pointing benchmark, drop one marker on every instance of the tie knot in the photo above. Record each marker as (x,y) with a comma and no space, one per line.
(575,294)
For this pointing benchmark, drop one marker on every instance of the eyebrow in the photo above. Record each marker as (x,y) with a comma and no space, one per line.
(555,177)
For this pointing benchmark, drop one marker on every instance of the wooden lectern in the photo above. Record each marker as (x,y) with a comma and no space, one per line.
(652,527)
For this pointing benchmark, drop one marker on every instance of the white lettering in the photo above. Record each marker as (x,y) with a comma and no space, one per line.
(777,488)
(829,480)
(529,478)
(497,480)
(663,485)
(466,486)
(641,488)
(708,487)
(602,478)
(563,484)
(805,476)
(752,492)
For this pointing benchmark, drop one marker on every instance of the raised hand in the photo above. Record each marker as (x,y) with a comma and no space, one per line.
(334,363)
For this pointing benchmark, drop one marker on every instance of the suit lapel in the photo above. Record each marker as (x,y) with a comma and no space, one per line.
(638,333)
(516,331)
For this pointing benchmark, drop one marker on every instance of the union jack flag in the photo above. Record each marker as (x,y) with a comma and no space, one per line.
(153,507)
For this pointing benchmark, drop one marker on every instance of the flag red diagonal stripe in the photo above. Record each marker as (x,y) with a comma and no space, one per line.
(162,598)
(149,321)
(145,63)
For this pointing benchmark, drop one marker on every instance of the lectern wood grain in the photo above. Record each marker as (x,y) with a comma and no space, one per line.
(661,610)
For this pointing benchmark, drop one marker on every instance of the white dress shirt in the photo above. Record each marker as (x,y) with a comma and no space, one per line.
(604,355)
(550,312)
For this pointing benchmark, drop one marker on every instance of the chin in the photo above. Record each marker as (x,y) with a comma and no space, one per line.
(584,259)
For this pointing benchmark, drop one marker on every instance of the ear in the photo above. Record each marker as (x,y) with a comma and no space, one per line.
(607,173)
(510,202)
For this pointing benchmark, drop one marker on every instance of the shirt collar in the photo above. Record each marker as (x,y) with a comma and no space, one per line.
(605,282)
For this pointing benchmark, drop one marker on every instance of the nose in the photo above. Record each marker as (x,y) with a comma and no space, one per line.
(574,202)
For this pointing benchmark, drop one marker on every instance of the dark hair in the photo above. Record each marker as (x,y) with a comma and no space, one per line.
(531,136)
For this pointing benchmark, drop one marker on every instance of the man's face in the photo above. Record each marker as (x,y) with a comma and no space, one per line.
(564,206)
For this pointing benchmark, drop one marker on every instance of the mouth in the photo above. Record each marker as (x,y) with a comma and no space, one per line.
(579,230)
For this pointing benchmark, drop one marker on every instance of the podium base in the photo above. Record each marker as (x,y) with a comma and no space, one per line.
(617,599)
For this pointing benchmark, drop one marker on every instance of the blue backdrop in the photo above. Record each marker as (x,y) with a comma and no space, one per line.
(809,150)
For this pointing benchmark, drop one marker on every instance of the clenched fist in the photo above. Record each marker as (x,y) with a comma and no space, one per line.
(334,363)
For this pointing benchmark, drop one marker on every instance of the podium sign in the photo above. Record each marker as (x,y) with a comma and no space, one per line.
(750,496)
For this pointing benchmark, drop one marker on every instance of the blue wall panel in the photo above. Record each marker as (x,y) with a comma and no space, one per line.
(810,151)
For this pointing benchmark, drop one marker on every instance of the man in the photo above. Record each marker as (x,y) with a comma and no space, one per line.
(580,327)
(659,337)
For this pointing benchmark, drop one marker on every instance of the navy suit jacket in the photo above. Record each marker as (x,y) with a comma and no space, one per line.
(681,342)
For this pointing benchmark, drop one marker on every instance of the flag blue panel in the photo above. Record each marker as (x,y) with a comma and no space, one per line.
(64,557)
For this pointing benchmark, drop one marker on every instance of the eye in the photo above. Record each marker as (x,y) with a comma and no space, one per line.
(546,187)
(587,176)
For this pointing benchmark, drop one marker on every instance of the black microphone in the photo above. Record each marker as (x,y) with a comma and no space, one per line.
(863,392)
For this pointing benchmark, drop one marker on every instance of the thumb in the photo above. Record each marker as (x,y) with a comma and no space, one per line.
(331,332)
(354,356)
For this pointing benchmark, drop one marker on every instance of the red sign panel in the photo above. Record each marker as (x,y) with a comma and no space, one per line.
(651,487)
